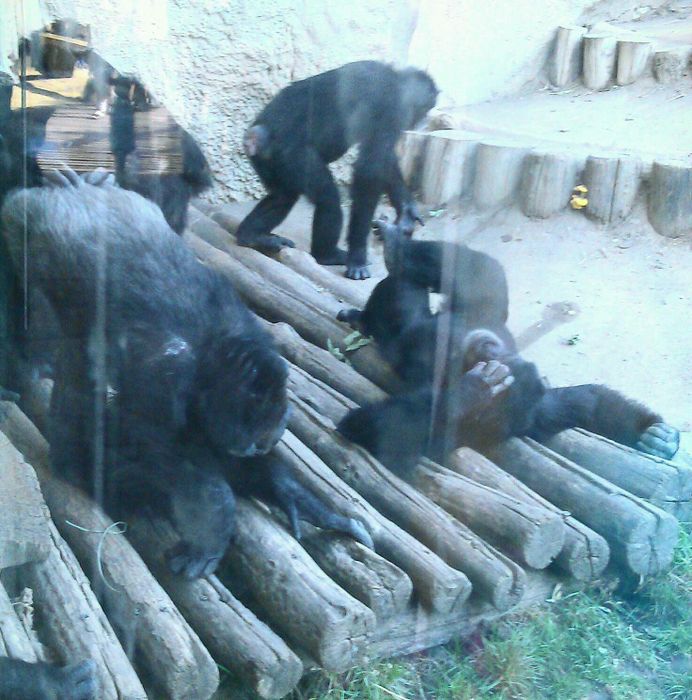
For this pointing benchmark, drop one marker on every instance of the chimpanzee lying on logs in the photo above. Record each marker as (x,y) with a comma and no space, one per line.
(20,680)
(444,404)
(165,384)
(313,122)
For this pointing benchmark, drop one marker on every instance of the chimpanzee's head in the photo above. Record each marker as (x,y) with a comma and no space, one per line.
(242,404)
(418,95)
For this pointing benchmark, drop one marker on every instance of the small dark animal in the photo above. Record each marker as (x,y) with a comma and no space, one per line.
(20,680)
(185,172)
(166,386)
(313,122)
(435,354)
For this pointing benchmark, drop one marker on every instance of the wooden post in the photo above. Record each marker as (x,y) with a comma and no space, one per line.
(448,167)
(613,184)
(600,52)
(633,59)
(670,65)
(548,180)
(411,148)
(566,61)
(666,484)
(641,536)
(585,553)
(492,575)
(438,586)
(138,607)
(498,173)
(294,594)
(670,198)
(24,517)
(74,625)
(232,633)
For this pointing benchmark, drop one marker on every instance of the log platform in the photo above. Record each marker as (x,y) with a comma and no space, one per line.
(462,542)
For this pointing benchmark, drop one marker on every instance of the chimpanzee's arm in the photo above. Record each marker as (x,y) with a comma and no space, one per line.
(604,411)
(268,478)
(20,680)
(402,200)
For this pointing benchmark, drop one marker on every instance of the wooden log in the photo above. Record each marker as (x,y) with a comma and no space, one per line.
(322,365)
(367,576)
(14,640)
(448,167)
(493,576)
(670,198)
(670,65)
(166,647)
(613,184)
(632,59)
(566,61)
(411,148)
(24,517)
(498,173)
(641,536)
(295,595)
(352,292)
(74,625)
(234,636)
(528,532)
(437,586)
(663,483)
(279,294)
(600,54)
(547,183)
(585,553)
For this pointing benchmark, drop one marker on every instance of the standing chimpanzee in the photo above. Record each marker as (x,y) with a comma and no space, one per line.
(186,174)
(313,122)
(20,680)
(166,386)
(444,406)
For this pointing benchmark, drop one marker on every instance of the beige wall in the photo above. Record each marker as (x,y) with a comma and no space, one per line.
(214,63)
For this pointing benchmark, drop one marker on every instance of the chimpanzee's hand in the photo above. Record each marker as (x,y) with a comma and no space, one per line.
(350,316)
(495,376)
(659,440)
(407,219)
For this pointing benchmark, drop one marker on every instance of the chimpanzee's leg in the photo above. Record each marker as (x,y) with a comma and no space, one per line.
(321,190)
(255,229)
(601,410)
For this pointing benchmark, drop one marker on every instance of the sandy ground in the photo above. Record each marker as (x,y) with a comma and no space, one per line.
(614,305)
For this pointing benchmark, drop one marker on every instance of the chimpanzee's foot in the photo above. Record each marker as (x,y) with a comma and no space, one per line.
(350,316)
(335,257)
(194,560)
(659,440)
(267,243)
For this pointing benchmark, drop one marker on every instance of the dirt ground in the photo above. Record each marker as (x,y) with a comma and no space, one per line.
(588,303)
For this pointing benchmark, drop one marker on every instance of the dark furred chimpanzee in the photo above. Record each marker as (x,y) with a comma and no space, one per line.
(439,408)
(186,172)
(20,680)
(313,122)
(166,386)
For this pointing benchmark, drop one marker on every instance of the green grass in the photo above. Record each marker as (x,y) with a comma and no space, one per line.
(584,645)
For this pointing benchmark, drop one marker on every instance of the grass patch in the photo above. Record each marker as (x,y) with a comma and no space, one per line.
(586,645)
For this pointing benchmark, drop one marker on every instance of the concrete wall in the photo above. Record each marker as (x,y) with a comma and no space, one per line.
(214,63)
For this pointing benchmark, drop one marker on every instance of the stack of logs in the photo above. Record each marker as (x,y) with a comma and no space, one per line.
(467,541)
(448,165)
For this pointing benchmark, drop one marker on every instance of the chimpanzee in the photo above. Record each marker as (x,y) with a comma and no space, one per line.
(185,176)
(20,680)
(436,357)
(166,386)
(313,122)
